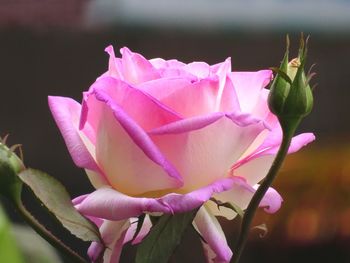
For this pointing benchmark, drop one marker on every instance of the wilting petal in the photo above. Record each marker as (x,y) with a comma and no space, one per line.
(66,113)
(209,228)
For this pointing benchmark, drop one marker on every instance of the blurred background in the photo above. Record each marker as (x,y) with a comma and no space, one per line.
(55,47)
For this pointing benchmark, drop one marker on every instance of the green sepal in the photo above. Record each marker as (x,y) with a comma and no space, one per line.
(299,102)
(229,205)
(280,86)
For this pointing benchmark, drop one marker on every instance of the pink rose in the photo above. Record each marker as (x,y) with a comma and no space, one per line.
(163,136)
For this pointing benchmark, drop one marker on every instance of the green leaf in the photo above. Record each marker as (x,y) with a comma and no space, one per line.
(165,236)
(57,200)
(9,250)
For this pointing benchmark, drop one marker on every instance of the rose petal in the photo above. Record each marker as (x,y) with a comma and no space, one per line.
(126,153)
(145,228)
(178,203)
(271,201)
(158,63)
(114,65)
(226,99)
(110,204)
(78,200)
(209,228)
(178,83)
(187,125)
(261,108)
(123,94)
(172,69)
(199,69)
(248,86)
(113,234)
(240,194)
(66,113)
(255,166)
(94,251)
(212,90)
(136,68)
(206,154)
(96,179)
(228,102)
(180,94)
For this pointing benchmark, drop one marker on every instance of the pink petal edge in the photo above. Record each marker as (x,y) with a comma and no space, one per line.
(110,204)
(66,113)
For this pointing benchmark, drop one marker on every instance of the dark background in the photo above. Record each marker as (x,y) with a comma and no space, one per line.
(55,55)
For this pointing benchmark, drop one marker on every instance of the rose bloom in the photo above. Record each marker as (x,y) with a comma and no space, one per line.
(161,136)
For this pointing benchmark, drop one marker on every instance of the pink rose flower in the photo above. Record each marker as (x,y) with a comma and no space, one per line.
(162,136)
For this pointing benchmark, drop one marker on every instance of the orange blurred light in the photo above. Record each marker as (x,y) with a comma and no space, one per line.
(303,225)
(344,223)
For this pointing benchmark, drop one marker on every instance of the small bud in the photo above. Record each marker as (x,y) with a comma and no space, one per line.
(290,95)
(10,165)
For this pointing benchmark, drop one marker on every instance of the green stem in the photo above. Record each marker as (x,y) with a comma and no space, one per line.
(47,235)
(288,133)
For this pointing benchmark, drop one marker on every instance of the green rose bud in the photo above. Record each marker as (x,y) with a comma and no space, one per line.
(10,165)
(290,97)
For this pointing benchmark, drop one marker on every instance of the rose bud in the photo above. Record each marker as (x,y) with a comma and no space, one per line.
(291,97)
